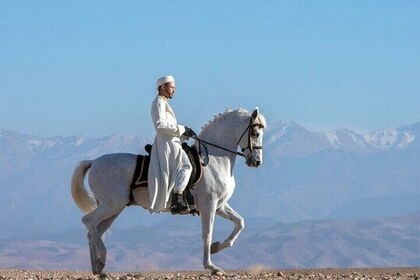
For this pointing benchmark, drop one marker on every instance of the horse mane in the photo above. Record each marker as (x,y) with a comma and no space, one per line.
(228,114)
(222,116)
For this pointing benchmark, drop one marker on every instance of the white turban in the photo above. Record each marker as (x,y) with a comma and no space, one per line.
(164,80)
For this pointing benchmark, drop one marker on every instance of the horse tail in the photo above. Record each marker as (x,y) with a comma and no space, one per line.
(83,198)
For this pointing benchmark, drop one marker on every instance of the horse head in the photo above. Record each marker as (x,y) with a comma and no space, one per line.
(252,138)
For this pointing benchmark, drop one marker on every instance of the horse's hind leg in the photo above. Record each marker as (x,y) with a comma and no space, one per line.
(97,222)
(228,213)
(97,266)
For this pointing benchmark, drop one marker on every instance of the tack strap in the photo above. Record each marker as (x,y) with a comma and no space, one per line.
(217,146)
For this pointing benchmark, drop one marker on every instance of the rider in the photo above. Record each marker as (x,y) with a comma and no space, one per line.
(170,168)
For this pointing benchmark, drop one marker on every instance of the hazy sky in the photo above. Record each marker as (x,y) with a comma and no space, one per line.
(90,67)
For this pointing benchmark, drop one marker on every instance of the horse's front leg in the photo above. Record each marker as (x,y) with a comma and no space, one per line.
(208,212)
(228,213)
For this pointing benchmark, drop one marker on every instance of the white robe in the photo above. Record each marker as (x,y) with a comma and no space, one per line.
(166,157)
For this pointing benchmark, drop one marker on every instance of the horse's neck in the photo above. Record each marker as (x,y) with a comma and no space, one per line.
(220,160)
(222,133)
(221,137)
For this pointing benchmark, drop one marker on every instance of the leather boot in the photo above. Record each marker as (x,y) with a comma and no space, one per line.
(176,205)
(190,200)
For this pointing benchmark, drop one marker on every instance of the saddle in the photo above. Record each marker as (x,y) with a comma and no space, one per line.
(142,169)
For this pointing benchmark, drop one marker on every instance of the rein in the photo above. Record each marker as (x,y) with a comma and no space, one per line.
(214,145)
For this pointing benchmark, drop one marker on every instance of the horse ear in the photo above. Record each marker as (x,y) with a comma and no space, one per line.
(255,113)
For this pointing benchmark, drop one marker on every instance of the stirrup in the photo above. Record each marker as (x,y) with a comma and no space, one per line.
(179,209)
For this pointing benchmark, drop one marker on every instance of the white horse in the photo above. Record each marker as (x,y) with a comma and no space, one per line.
(110,177)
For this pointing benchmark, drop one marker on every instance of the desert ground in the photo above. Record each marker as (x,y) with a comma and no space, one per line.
(251,273)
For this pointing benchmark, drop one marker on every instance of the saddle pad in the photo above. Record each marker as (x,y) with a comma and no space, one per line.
(142,170)
(140,174)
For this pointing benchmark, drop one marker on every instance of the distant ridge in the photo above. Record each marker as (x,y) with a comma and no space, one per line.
(390,242)
(305,175)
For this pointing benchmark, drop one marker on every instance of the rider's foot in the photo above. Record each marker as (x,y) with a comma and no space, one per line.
(176,205)
(190,201)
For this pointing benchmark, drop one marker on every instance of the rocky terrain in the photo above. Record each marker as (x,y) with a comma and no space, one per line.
(252,273)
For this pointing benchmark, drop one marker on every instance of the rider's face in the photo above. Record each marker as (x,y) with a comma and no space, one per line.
(169,90)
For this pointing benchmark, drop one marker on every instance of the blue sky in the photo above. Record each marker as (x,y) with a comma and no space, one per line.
(89,67)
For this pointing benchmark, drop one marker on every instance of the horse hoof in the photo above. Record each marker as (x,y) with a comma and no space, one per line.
(215,247)
(98,268)
(105,275)
(218,272)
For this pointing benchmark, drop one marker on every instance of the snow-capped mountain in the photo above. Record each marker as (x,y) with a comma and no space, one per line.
(292,139)
(306,174)
(334,174)
(394,138)
(35,174)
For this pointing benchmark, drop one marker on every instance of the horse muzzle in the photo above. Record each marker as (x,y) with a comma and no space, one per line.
(253,162)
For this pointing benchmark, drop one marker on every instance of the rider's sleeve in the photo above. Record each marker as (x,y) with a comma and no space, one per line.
(161,123)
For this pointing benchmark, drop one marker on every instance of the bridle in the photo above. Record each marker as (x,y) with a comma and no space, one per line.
(251,147)
(250,129)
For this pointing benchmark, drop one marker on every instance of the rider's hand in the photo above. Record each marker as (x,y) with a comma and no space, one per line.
(188,132)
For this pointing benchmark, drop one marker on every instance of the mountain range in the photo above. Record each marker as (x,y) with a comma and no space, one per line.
(338,174)
(175,244)
(339,178)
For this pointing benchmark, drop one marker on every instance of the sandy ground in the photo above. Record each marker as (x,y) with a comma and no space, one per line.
(252,273)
